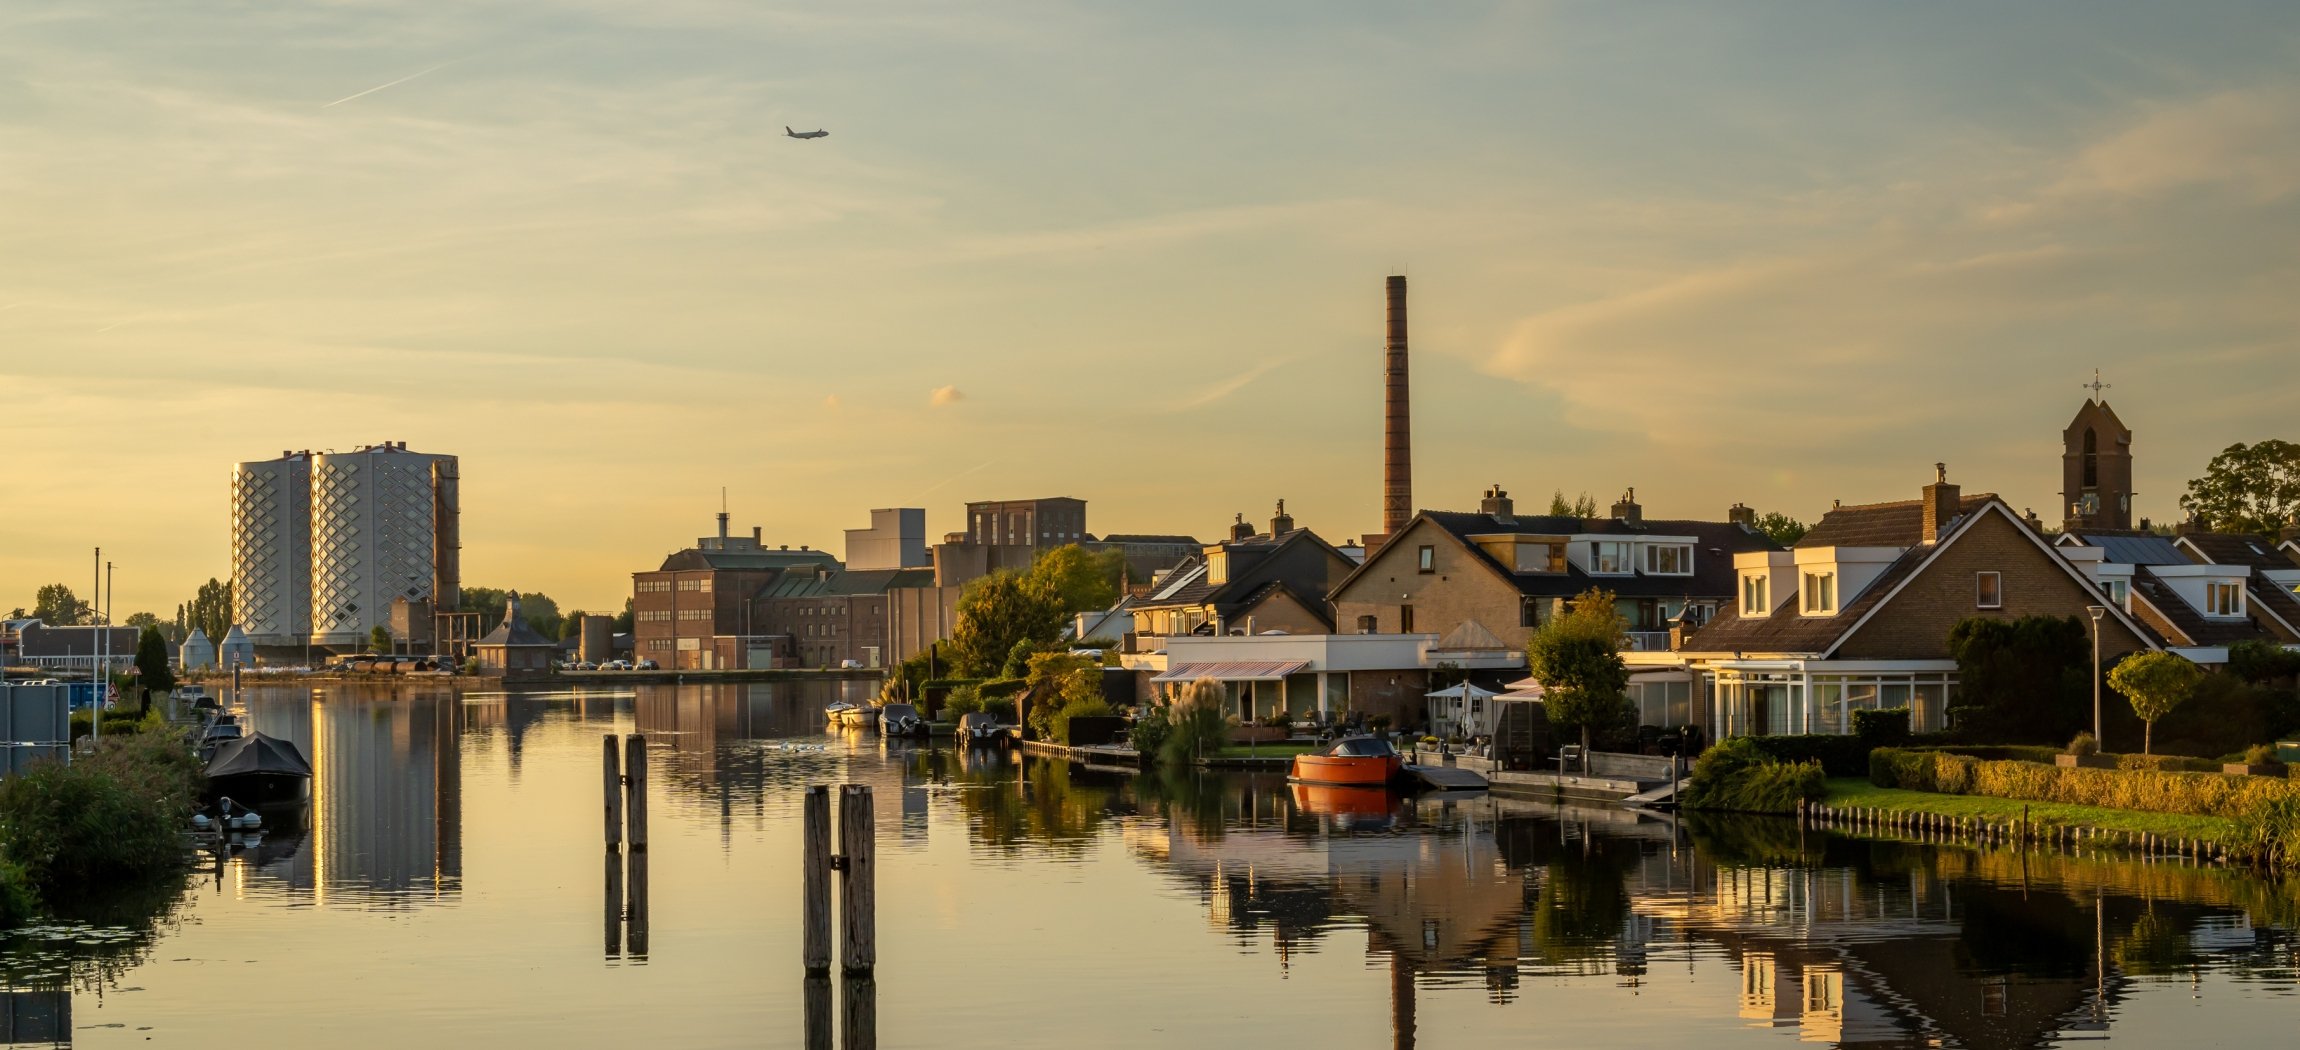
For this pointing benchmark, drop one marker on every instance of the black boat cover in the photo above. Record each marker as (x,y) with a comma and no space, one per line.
(257,753)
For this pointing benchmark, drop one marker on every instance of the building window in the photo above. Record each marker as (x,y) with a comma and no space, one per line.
(1367,625)
(1669,559)
(1609,556)
(1405,619)
(2223,598)
(1218,568)
(1756,595)
(1427,562)
(1989,590)
(1533,557)
(1529,612)
(2120,592)
(1820,593)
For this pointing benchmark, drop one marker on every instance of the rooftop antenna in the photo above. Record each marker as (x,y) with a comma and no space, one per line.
(2096,386)
(722,515)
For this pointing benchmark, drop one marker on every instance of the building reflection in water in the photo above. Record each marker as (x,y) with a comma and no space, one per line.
(385,821)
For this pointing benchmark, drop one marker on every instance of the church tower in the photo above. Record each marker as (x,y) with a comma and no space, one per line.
(2096,467)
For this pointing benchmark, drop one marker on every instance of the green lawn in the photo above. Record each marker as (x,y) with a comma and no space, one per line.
(1850,791)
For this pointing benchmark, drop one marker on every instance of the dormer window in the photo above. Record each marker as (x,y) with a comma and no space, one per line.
(1533,557)
(2120,592)
(1217,567)
(1756,595)
(2223,598)
(1820,593)
(1610,557)
(1669,559)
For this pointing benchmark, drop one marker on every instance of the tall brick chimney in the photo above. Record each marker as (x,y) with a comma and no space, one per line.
(1397,420)
(1240,532)
(1281,523)
(1498,506)
(1940,503)
(1743,515)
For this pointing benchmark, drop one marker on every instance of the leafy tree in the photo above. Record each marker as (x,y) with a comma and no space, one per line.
(210,610)
(154,668)
(379,639)
(57,606)
(571,625)
(2154,683)
(169,632)
(2022,681)
(2259,661)
(624,619)
(995,613)
(2248,488)
(1582,506)
(18,613)
(1780,528)
(1060,687)
(1081,580)
(537,608)
(1577,657)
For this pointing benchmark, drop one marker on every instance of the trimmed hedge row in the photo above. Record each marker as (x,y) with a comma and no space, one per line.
(2199,794)
(1839,756)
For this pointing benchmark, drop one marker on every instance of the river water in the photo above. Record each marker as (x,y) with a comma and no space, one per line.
(446,887)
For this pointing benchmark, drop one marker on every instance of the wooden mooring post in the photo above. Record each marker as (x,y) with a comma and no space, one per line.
(635,790)
(815,892)
(623,783)
(858,896)
(614,794)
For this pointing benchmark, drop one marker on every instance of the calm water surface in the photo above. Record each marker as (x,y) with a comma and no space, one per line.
(448,888)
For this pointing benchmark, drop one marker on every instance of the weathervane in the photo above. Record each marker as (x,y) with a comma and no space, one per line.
(2096,386)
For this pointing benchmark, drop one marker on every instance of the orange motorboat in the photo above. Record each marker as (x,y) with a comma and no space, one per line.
(1361,761)
(1353,801)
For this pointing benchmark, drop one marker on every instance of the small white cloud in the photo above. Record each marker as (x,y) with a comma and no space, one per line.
(945,395)
(831,401)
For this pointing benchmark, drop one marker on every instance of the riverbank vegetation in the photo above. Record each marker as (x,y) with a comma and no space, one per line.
(1738,776)
(115,816)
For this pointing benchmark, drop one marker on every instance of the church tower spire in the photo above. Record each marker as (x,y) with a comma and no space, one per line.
(2096,466)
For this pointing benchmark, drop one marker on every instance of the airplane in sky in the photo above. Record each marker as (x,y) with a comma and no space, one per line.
(804,134)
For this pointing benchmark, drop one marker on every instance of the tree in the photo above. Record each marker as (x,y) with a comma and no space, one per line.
(210,610)
(56,606)
(2022,681)
(169,632)
(535,607)
(154,669)
(2154,683)
(2248,488)
(1062,687)
(624,619)
(1583,506)
(379,639)
(1780,528)
(571,625)
(1082,580)
(1577,658)
(994,613)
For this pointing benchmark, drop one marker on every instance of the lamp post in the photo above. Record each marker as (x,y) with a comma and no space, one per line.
(2097,612)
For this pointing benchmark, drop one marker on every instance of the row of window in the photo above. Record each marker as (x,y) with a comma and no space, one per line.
(696,583)
(1606,558)
(694,614)
(654,586)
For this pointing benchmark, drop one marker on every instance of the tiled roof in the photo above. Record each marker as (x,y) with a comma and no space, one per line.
(1898,524)
(697,558)
(1714,542)
(1143,538)
(2277,600)
(1785,630)
(2185,619)
(805,584)
(2236,549)
(1187,586)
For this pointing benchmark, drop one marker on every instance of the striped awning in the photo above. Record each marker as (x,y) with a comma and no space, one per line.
(1233,671)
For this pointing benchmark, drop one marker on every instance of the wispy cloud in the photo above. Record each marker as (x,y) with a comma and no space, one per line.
(923,493)
(1215,392)
(945,395)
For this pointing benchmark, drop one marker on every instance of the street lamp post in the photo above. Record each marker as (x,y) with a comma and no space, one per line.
(2097,612)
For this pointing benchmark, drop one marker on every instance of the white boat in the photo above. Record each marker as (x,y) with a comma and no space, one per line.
(860,716)
(835,714)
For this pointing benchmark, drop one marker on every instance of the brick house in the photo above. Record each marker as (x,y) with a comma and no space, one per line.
(695,610)
(1856,616)
(1496,574)
(1249,583)
(818,617)
(2200,592)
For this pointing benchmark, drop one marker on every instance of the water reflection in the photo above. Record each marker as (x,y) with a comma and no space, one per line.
(385,821)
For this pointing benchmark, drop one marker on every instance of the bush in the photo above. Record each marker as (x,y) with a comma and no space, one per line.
(1151,728)
(113,816)
(1199,724)
(964,700)
(2262,755)
(2166,764)
(1839,756)
(1738,775)
(2083,745)
(1276,720)
(1883,727)
(2199,794)
(2258,661)
(1058,725)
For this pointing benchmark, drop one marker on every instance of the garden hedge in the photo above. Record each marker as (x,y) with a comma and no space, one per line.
(2197,794)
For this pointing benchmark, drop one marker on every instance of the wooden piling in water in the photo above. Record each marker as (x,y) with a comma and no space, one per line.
(614,794)
(635,790)
(635,915)
(614,907)
(858,899)
(817,994)
(815,890)
(858,1012)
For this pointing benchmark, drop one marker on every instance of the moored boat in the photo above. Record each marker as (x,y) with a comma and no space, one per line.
(257,769)
(835,713)
(979,729)
(900,720)
(1362,761)
(860,716)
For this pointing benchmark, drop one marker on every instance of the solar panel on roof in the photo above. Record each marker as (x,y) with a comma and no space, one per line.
(2138,550)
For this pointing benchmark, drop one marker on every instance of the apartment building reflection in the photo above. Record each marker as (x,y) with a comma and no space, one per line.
(385,821)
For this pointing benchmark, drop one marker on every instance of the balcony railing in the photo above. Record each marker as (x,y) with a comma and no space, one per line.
(1648,641)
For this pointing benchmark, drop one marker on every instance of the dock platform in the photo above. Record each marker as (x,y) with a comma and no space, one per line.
(1447,777)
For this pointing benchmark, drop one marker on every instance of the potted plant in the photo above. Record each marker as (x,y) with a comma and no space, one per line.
(2084,751)
(2259,761)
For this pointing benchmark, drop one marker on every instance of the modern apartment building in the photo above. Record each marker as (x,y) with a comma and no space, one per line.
(322,543)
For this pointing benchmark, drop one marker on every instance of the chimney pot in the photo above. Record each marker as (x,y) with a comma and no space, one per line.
(1743,515)
(1627,510)
(1283,522)
(1239,530)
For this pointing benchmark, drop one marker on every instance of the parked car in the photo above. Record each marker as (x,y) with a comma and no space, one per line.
(648,665)
(850,664)
(616,665)
(586,665)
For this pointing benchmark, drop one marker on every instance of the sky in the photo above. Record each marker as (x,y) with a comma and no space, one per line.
(1776,254)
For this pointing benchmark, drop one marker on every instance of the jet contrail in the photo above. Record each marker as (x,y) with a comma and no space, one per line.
(115,324)
(955,477)
(379,87)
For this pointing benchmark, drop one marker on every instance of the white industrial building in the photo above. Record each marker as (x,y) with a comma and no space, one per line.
(322,543)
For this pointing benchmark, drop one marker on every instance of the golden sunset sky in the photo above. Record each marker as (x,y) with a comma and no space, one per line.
(1132,253)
